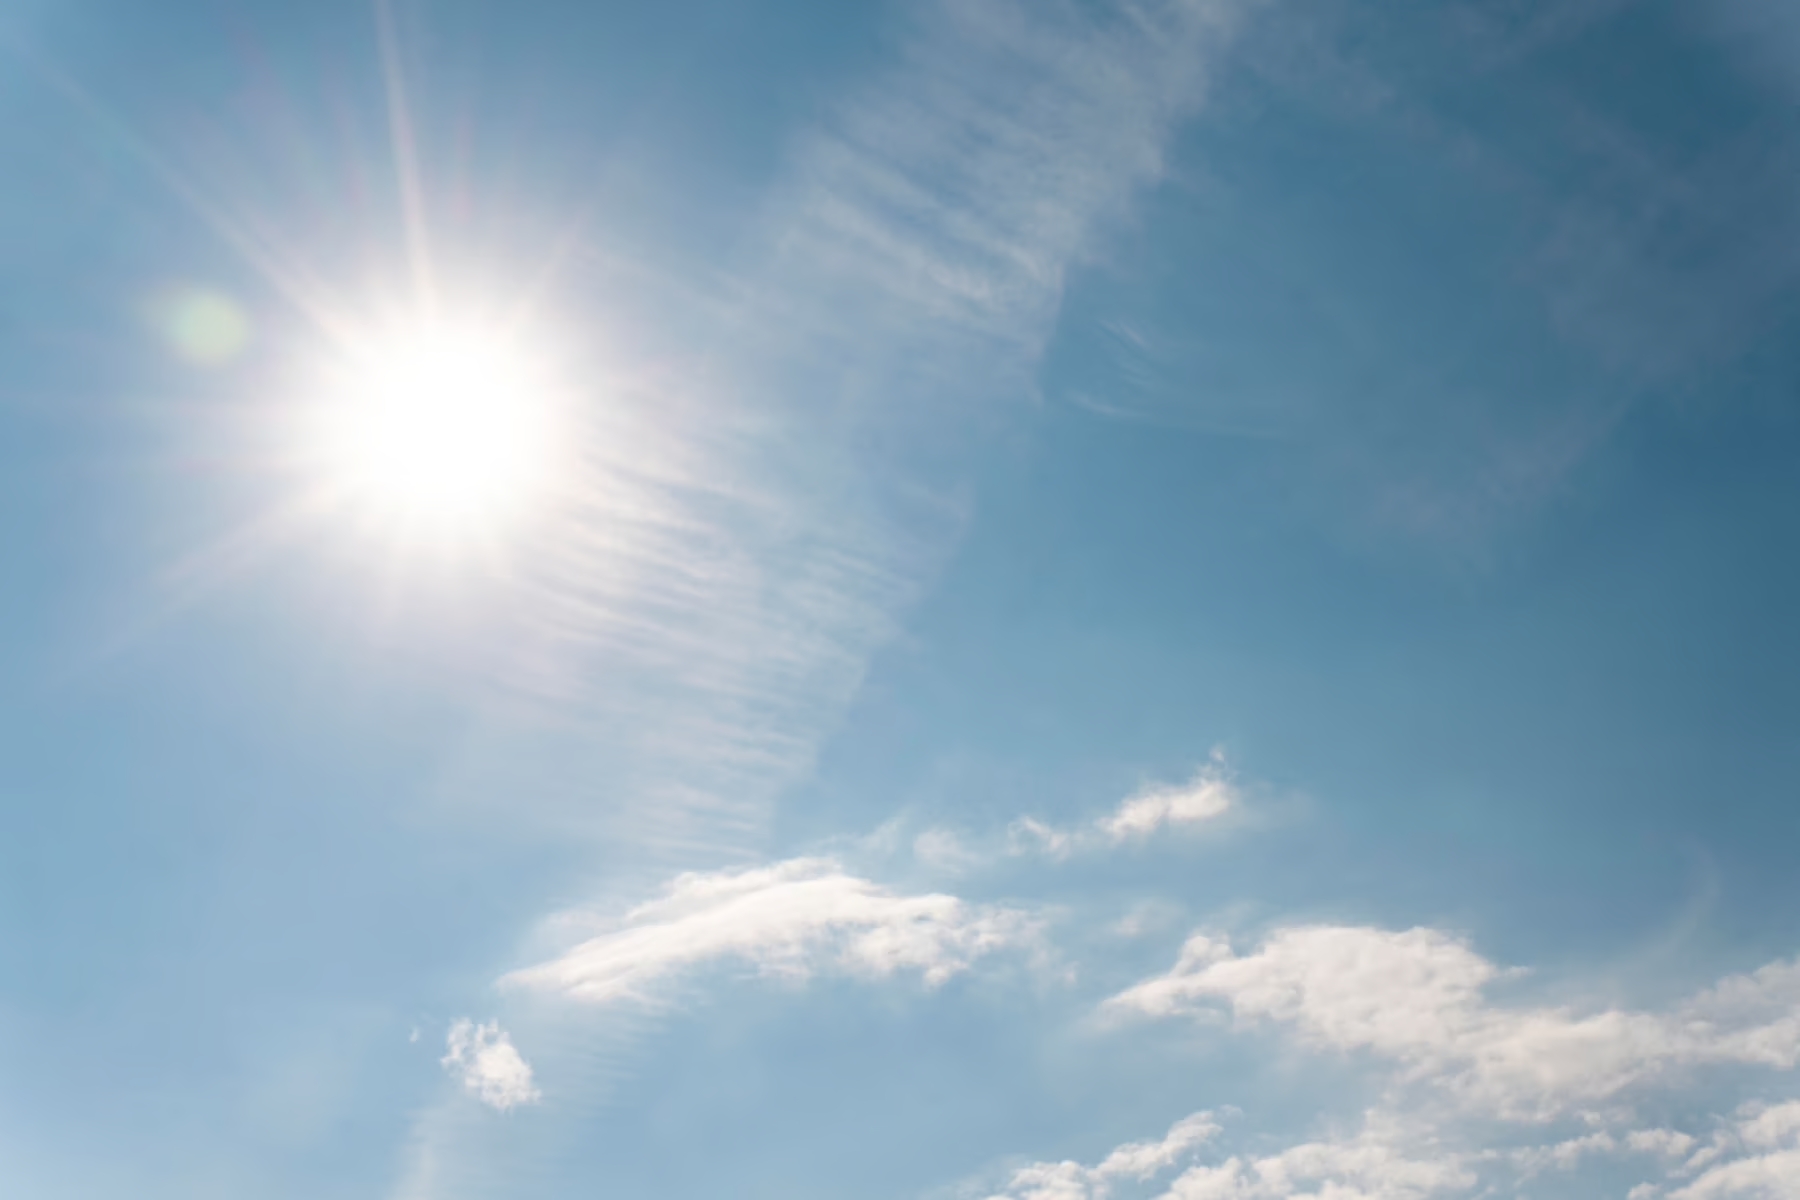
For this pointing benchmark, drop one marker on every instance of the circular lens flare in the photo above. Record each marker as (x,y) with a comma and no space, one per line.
(443,426)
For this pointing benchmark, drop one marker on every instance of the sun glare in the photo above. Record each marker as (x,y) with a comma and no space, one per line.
(440,427)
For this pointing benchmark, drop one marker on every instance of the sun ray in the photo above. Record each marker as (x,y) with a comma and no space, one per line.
(406,157)
(288,279)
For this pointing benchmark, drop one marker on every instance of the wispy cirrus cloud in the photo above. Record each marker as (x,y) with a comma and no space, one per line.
(792,919)
(708,601)
(961,188)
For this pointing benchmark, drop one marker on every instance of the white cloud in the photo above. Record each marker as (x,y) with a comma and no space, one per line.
(1205,799)
(1392,1154)
(1136,1161)
(1382,1161)
(702,611)
(1755,1157)
(1565,1155)
(1417,997)
(1667,1143)
(1368,1166)
(489,1065)
(792,918)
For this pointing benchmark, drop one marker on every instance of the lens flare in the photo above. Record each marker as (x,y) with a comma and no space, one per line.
(202,326)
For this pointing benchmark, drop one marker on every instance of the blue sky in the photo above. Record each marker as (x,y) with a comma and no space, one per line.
(958,599)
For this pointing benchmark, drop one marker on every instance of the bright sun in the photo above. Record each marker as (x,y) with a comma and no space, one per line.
(440,427)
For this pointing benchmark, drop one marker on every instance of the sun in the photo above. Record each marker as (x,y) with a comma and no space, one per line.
(439,427)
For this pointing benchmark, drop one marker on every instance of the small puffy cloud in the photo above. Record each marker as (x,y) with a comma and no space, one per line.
(1368,1165)
(1204,799)
(792,918)
(489,1065)
(1140,1161)
(1417,997)
(1208,796)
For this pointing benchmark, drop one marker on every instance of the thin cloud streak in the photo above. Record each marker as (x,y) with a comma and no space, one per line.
(792,919)
(708,600)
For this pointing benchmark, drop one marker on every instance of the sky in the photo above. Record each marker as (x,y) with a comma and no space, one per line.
(908,599)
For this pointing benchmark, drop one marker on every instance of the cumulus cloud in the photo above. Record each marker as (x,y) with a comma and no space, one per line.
(1383,1160)
(1206,798)
(1755,1157)
(489,1065)
(1370,1164)
(1418,997)
(1141,1161)
(1392,1154)
(1415,1006)
(793,918)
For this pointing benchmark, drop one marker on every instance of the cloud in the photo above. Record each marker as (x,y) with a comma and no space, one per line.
(1372,1164)
(1390,1154)
(706,603)
(793,918)
(1206,797)
(1384,1160)
(1139,1161)
(1414,1005)
(1203,800)
(703,605)
(1417,997)
(1754,1157)
(489,1065)
(961,188)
